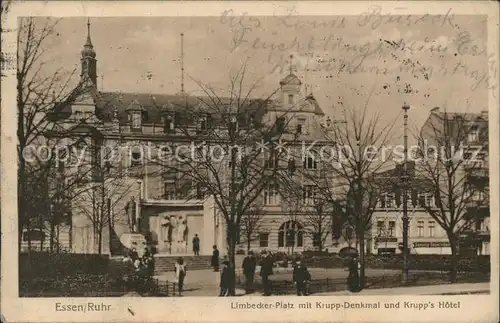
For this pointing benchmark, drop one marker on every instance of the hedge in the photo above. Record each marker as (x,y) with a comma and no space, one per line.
(61,264)
(80,275)
(416,262)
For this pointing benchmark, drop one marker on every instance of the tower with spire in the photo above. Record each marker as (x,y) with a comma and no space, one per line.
(88,60)
(290,86)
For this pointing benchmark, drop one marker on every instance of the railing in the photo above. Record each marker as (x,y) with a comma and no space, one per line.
(166,289)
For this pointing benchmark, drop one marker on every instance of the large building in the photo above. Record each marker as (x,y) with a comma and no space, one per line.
(161,208)
(464,130)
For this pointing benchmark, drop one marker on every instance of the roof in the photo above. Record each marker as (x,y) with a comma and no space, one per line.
(291,79)
(312,100)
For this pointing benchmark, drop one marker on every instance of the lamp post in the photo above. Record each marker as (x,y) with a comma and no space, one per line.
(406,107)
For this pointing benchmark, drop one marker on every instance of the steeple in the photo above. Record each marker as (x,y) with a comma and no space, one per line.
(89,63)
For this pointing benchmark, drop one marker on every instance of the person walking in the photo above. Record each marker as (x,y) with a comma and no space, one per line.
(215,259)
(226,279)
(196,245)
(266,270)
(301,278)
(180,274)
(353,278)
(249,265)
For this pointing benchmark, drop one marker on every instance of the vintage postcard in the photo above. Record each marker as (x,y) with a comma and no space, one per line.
(211,161)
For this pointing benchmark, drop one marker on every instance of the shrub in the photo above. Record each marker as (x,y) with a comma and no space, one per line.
(61,264)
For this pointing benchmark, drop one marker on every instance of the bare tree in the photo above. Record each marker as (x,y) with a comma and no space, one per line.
(451,160)
(38,91)
(234,155)
(251,224)
(360,141)
(102,192)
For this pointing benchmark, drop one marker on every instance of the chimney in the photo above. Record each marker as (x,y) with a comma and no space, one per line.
(484,114)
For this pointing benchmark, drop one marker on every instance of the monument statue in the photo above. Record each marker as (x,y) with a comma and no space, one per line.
(131,209)
(181,228)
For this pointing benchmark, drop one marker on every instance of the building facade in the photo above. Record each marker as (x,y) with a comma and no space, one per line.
(469,132)
(135,201)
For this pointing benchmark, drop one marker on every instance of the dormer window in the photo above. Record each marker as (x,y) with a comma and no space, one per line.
(473,135)
(232,123)
(169,123)
(204,123)
(301,123)
(291,99)
(136,120)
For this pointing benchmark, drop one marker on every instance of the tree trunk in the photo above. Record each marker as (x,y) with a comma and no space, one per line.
(454,258)
(99,240)
(58,248)
(362,258)
(248,244)
(232,259)
(52,234)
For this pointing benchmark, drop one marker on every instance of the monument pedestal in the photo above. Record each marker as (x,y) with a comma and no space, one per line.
(134,240)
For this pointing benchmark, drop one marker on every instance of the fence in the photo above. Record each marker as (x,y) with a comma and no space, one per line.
(166,288)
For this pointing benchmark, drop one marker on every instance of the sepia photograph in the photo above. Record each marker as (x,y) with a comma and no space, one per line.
(252,155)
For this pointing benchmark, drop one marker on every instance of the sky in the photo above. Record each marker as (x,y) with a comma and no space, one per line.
(358,60)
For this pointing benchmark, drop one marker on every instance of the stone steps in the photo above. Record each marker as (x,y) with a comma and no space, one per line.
(167,263)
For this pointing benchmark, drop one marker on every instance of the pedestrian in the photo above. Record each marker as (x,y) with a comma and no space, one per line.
(353,278)
(266,270)
(133,255)
(226,279)
(196,245)
(301,278)
(180,274)
(215,259)
(249,264)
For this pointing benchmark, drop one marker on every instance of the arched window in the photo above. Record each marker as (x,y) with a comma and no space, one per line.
(291,234)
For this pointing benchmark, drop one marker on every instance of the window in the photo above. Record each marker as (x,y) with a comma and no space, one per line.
(136,158)
(280,124)
(291,99)
(200,191)
(291,234)
(308,194)
(170,190)
(380,228)
(270,159)
(310,161)
(263,240)
(136,120)
(317,239)
(478,196)
(169,125)
(429,200)
(473,135)
(301,123)
(232,124)
(392,228)
(426,200)
(420,227)
(204,123)
(432,226)
(271,195)
(387,201)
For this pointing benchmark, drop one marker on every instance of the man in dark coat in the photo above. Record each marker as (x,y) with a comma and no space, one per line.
(215,259)
(266,270)
(353,278)
(301,277)
(226,279)
(249,264)
(196,245)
